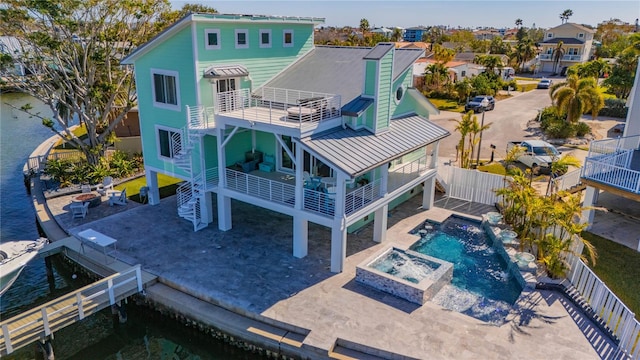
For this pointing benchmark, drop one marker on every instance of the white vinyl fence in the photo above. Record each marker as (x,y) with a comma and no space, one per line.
(471,185)
(607,307)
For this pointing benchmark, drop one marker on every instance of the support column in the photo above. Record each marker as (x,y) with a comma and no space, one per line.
(380,224)
(590,199)
(338,247)
(300,236)
(206,208)
(152,183)
(224,212)
(428,193)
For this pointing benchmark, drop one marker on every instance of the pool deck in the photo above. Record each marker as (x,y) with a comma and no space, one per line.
(250,271)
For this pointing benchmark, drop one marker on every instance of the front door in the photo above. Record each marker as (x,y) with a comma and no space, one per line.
(225,90)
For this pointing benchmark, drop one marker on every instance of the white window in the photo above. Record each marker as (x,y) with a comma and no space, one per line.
(581,36)
(242,39)
(165,89)
(549,35)
(265,38)
(168,142)
(287,38)
(212,39)
(572,51)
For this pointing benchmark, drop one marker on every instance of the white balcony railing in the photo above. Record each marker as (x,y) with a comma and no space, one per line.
(572,57)
(319,202)
(200,117)
(275,105)
(544,56)
(407,172)
(361,197)
(608,173)
(609,146)
(259,187)
(566,181)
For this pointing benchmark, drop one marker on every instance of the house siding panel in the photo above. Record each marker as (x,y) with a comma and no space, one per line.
(176,55)
(384,92)
(370,78)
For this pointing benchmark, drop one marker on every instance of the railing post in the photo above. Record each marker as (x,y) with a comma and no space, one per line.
(112,299)
(45,321)
(7,338)
(80,306)
(139,277)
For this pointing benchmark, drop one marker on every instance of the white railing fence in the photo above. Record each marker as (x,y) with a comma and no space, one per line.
(609,146)
(407,172)
(472,185)
(200,117)
(36,164)
(271,190)
(566,181)
(618,176)
(607,306)
(319,202)
(360,197)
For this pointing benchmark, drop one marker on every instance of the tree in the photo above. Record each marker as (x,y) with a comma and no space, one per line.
(397,34)
(575,96)
(566,15)
(75,47)
(443,55)
(364,26)
(525,50)
(490,62)
(558,53)
(518,23)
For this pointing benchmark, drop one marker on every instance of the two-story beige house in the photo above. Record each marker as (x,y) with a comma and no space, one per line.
(577,42)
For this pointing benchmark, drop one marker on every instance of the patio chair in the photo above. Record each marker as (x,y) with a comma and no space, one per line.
(118,198)
(79,209)
(107,184)
(311,182)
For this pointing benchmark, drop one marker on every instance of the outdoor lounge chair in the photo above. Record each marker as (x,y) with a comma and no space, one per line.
(311,182)
(79,209)
(118,198)
(107,184)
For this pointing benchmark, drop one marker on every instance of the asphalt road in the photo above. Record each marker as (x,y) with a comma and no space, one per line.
(508,123)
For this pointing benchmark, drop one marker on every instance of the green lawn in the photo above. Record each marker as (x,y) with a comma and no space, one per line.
(447,105)
(619,267)
(167,185)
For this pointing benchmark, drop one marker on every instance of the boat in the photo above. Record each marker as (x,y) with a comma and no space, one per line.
(14,256)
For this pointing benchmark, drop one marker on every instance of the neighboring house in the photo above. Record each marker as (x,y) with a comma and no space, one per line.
(577,44)
(415,33)
(613,165)
(128,133)
(247,108)
(10,45)
(458,70)
(386,32)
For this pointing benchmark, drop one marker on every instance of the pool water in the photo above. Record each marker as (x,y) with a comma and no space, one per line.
(482,286)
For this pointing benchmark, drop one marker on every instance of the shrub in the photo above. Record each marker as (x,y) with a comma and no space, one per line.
(582,129)
(560,129)
(614,108)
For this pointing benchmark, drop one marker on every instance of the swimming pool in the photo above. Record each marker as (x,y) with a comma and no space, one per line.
(482,284)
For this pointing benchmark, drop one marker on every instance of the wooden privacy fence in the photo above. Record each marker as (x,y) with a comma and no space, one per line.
(607,307)
(471,185)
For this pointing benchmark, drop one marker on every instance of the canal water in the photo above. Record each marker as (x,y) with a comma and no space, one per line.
(144,336)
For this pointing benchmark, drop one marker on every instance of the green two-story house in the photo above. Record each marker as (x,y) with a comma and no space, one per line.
(247,108)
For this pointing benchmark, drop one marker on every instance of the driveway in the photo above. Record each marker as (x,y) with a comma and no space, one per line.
(508,123)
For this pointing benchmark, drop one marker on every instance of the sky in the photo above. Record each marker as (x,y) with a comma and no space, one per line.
(472,13)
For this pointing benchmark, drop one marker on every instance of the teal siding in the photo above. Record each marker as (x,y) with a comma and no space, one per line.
(210,151)
(262,63)
(266,142)
(370,116)
(237,147)
(406,80)
(370,77)
(384,92)
(176,55)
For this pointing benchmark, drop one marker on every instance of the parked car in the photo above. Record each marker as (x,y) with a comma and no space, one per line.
(536,154)
(544,84)
(475,104)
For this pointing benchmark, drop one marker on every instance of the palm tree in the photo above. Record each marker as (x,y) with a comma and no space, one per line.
(565,15)
(397,34)
(364,26)
(558,54)
(443,55)
(464,128)
(490,62)
(575,96)
(560,166)
(525,51)
(518,22)
(436,75)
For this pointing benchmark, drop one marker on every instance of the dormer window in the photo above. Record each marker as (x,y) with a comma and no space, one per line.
(265,38)
(242,39)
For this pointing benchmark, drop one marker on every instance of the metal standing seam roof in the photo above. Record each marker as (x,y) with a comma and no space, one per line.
(225,71)
(336,70)
(379,51)
(356,106)
(357,151)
